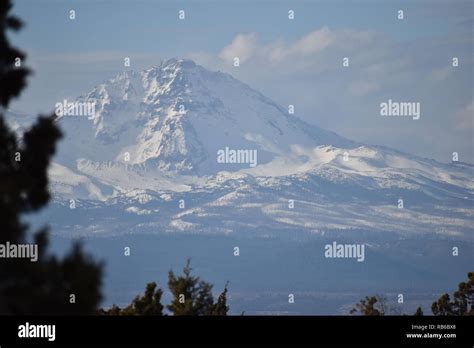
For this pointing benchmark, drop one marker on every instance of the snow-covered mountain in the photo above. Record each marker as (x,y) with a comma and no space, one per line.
(176,116)
(156,136)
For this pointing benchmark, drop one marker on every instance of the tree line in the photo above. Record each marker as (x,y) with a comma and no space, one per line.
(459,304)
(191,296)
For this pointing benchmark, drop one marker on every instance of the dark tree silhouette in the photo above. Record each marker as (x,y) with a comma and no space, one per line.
(418,312)
(191,296)
(221,307)
(442,306)
(463,300)
(148,304)
(50,285)
(371,305)
(462,304)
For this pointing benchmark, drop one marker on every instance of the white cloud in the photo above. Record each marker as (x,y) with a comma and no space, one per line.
(243,46)
(313,42)
(309,51)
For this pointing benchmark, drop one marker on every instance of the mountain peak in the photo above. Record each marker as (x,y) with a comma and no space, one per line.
(178,116)
(170,65)
(177,63)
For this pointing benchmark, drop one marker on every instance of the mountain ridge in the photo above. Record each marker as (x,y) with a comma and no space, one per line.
(159,131)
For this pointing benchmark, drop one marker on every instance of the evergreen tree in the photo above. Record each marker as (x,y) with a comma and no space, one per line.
(463,300)
(113,311)
(443,306)
(221,307)
(419,312)
(148,304)
(191,296)
(48,286)
(464,297)
(371,305)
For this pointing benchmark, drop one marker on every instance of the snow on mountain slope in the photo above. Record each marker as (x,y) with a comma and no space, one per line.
(158,132)
(64,182)
(175,117)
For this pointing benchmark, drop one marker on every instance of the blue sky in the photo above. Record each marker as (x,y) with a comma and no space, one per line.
(294,62)
(146,25)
